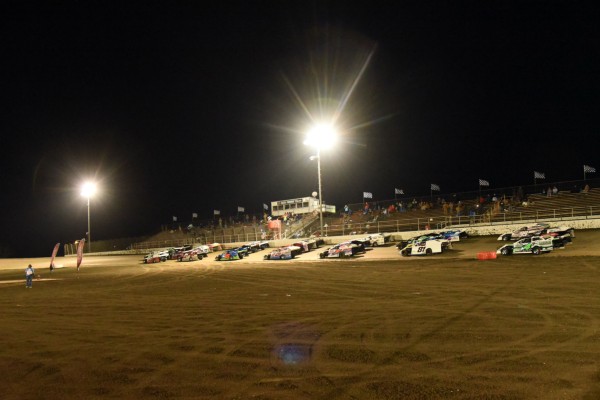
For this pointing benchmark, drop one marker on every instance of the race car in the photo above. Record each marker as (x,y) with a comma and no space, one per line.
(257,246)
(296,250)
(528,245)
(229,255)
(313,243)
(454,235)
(375,239)
(156,256)
(197,253)
(425,247)
(303,245)
(282,253)
(341,250)
(528,230)
(360,246)
(566,233)
(430,236)
(215,246)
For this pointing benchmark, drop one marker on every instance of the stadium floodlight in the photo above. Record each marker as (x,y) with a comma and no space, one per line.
(321,136)
(88,190)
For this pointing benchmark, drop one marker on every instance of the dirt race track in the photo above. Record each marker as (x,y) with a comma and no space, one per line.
(373,327)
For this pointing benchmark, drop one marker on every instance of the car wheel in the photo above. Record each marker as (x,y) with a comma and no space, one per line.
(505,251)
(536,251)
(321,255)
(505,238)
(404,253)
(428,252)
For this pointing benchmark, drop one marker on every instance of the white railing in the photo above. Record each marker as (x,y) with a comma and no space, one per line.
(441,222)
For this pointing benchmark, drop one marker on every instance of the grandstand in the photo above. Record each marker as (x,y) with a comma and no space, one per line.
(567,204)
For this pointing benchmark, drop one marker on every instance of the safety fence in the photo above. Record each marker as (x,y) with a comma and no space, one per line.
(441,222)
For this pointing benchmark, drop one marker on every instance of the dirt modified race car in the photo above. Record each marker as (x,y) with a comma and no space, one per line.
(375,239)
(341,250)
(157,256)
(454,235)
(195,254)
(528,245)
(566,233)
(229,255)
(425,247)
(525,231)
(282,253)
(422,238)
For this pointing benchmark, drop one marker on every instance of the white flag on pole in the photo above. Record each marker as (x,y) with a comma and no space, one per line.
(538,175)
(240,209)
(367,195)
(588,169)
(435,187)
(266,207)
(398,191)
(217,212)
(483,182)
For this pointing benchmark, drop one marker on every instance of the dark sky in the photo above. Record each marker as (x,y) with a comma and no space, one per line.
(176,107)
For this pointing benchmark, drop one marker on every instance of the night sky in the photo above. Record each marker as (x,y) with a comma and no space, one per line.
(177,108)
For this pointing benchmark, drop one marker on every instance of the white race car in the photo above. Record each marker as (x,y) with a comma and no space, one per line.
(424,248)
(528,230)
(528,245)
(282,253)
(375,239)
(341,250)
(156,256)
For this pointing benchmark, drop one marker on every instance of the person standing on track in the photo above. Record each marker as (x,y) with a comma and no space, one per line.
(29,274)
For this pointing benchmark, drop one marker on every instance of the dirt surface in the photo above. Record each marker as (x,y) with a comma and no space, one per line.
(380,326)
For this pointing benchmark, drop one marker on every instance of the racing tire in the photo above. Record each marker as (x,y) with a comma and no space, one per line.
(321,256)
(506,238)
(506,252)
(536,251)
(428,252)
(375,244)
(404,253)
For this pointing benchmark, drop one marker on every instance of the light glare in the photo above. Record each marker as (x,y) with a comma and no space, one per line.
(88,189)
(322,136)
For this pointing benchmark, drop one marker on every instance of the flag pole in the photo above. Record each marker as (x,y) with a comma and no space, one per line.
(584,172)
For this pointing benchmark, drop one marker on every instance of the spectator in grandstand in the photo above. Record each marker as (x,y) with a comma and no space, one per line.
(401,207)
(586,188)
(459,209)
(549,191)
(554,191)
